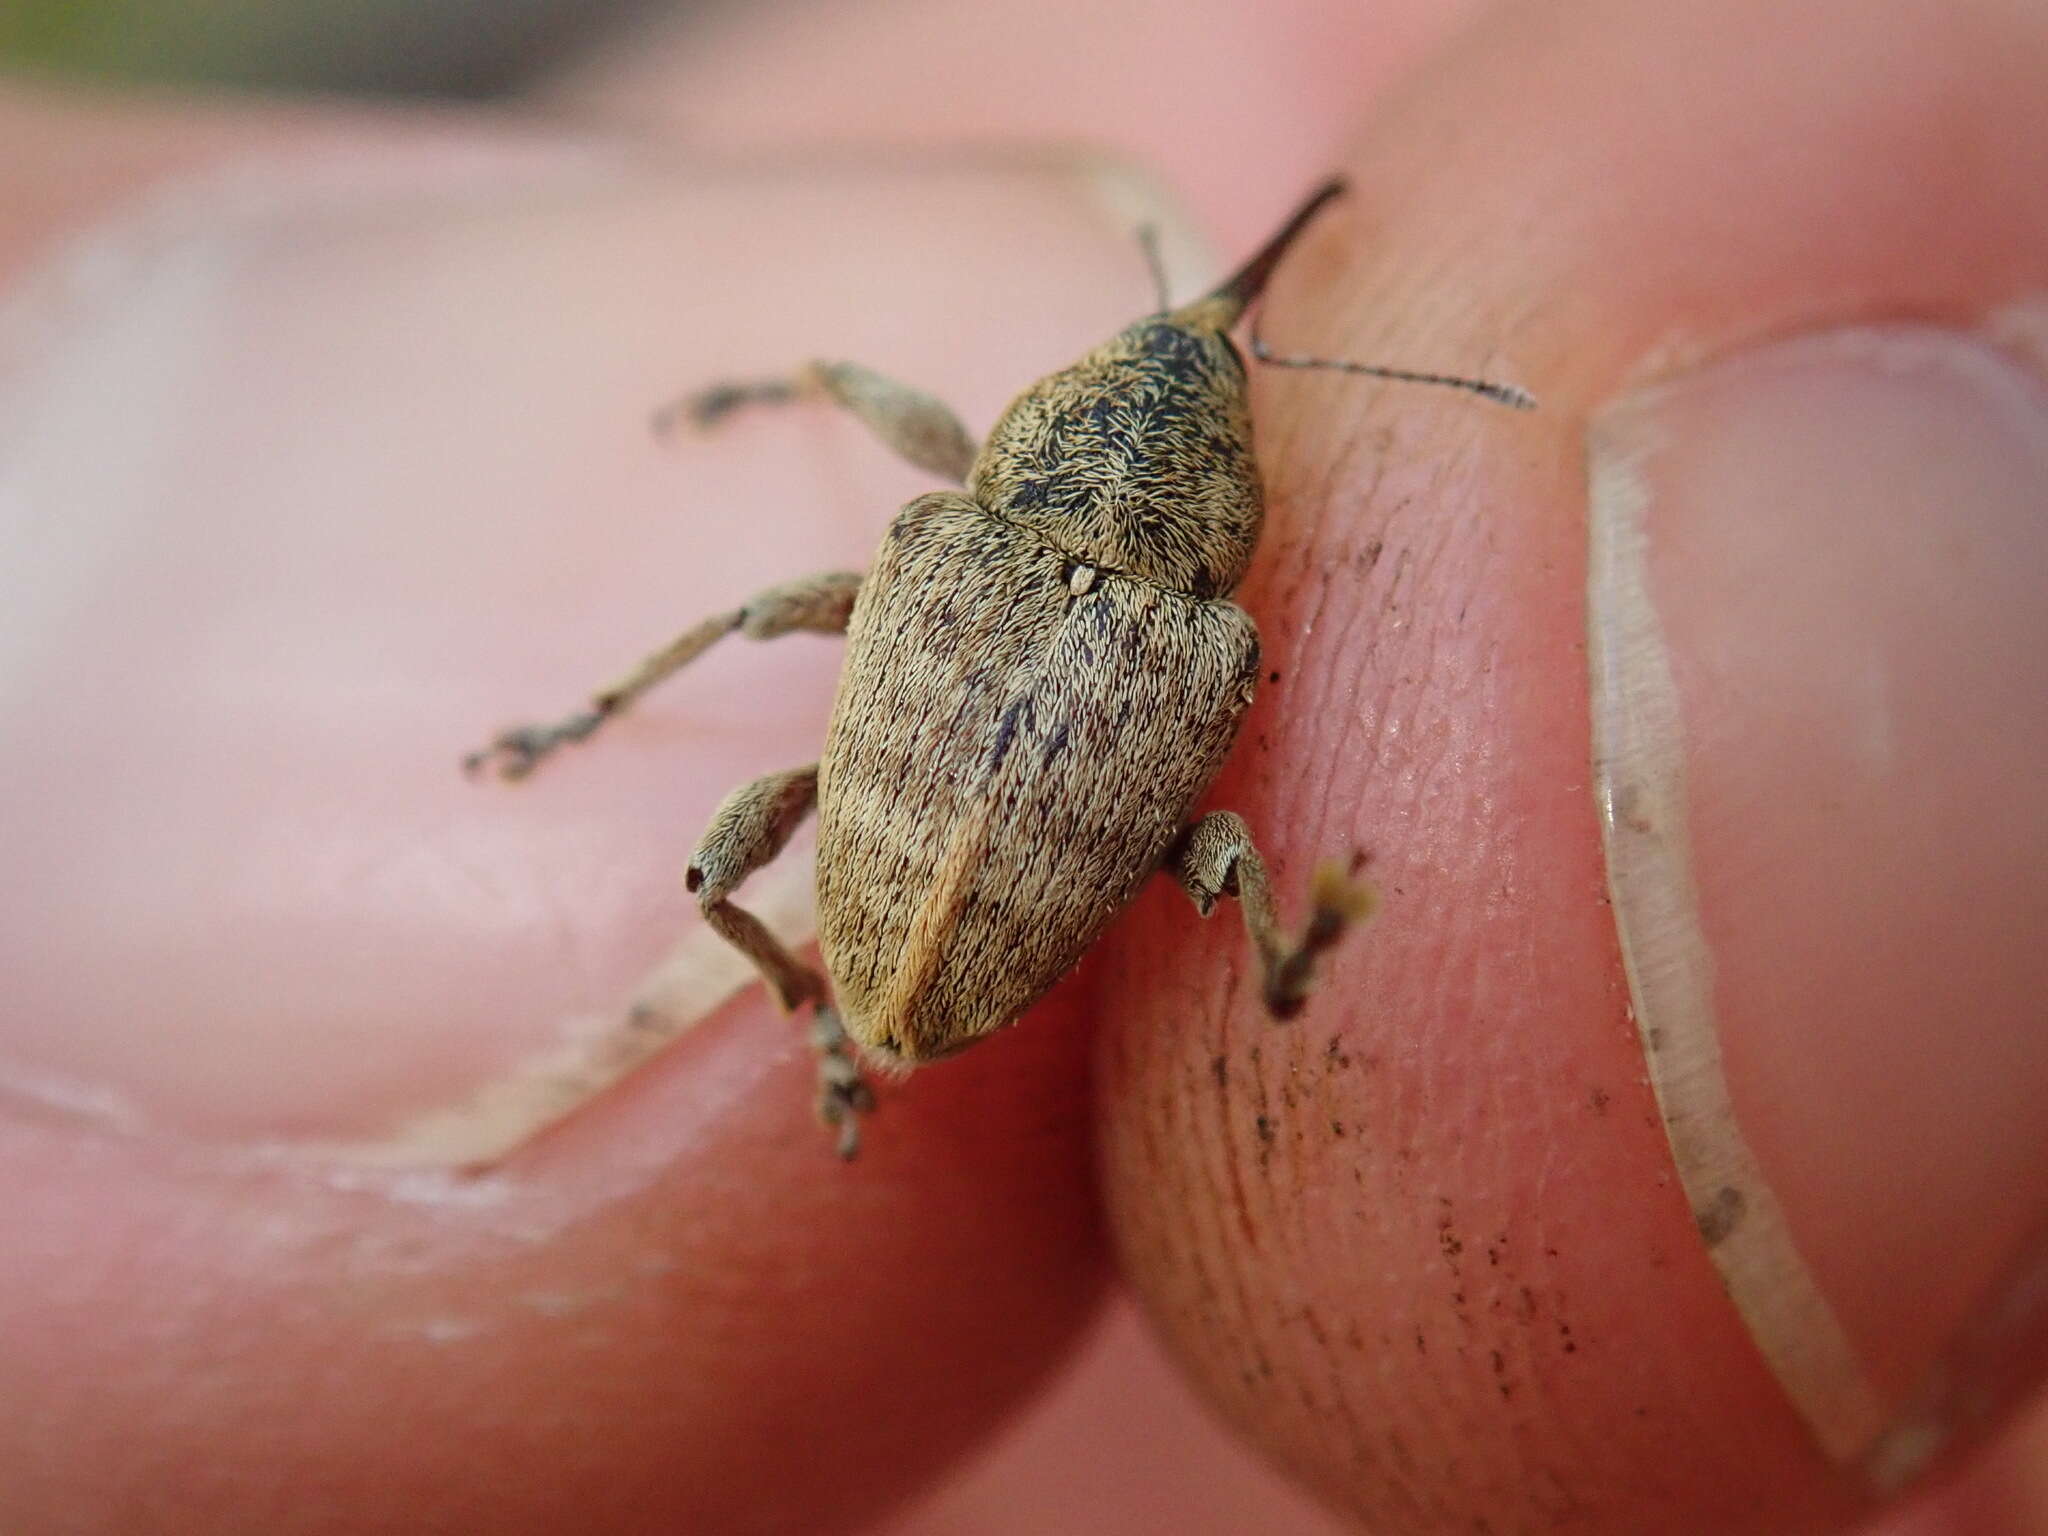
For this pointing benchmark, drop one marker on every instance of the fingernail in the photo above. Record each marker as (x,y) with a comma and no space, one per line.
(316,473)
(1989,1368)
(1818,609)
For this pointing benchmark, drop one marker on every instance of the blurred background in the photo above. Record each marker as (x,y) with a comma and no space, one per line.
(454,48)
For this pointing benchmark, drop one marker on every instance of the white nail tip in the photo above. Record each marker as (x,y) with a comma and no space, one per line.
(1640,785)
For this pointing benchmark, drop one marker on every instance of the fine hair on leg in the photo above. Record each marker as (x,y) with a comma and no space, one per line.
(818,604)
(917,427)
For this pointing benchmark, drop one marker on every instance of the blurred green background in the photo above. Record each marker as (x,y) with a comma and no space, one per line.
(466,48)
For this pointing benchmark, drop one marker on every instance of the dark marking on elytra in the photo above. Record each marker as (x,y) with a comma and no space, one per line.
(1015,717)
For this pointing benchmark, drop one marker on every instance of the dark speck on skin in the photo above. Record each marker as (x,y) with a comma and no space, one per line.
(1723,1216)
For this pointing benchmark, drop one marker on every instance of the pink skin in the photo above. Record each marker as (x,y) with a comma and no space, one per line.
(1482,1300)
(1498,1192)
(730,1300)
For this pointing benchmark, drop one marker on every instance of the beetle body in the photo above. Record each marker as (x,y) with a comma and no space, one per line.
(1040,680)
(1044,673)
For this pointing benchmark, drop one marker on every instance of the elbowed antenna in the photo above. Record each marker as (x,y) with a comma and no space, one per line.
(1506,394)
(1239,292)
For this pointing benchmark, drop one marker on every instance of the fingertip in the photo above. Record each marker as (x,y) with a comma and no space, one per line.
(1430,1243)
(265,939)
(677,1306)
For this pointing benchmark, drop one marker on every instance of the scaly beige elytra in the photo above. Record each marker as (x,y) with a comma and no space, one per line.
(1043,674)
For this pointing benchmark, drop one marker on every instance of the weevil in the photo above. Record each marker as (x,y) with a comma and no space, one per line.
(1043,673)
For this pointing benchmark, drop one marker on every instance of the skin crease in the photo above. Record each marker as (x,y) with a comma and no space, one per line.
(975,1213)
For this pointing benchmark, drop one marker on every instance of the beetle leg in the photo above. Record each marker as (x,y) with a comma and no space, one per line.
(915,425)
(843,1095)
(820,604)
(750,827)
(1216,857)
